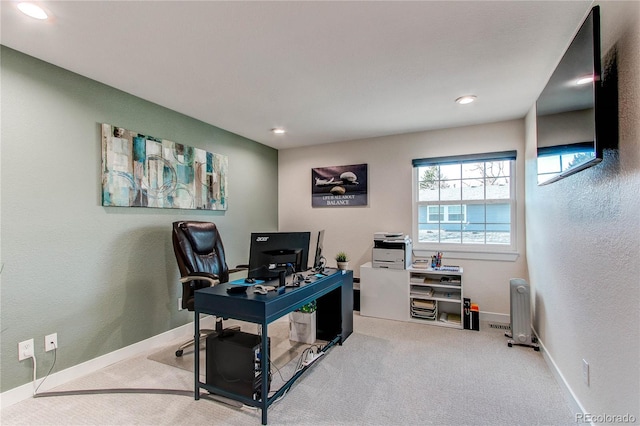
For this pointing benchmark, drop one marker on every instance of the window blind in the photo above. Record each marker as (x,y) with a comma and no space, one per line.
(468,158)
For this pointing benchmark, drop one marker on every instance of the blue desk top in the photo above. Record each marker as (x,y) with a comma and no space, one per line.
(258,308)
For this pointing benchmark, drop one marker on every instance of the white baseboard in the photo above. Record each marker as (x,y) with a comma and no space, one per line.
(25,391)
(569,396)
(494,317)
(573,402)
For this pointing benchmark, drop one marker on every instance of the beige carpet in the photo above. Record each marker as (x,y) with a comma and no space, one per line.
(387,373)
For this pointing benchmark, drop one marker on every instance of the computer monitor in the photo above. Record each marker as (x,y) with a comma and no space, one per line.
(272,252)
(319,260)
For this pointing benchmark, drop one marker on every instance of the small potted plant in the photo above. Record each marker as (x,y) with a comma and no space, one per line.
(343,260)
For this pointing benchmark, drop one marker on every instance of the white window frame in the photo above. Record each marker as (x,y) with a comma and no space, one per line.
(461,250)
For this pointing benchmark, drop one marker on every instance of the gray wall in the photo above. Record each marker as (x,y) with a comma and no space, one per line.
(583,247)
(102,278)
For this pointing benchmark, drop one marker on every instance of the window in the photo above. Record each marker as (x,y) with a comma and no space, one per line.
(450,214)
(552,161)
(465,201)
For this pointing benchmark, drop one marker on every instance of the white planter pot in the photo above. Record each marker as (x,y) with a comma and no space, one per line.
(302,327)
(343,265)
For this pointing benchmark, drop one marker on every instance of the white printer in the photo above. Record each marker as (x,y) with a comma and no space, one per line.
(391,250)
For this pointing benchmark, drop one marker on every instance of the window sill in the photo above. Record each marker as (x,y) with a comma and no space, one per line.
(502,256)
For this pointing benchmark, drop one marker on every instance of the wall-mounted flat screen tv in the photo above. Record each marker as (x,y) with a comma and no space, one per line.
(568,107)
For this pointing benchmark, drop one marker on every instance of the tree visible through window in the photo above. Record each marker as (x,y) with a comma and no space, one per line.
(466,200)
(553,162)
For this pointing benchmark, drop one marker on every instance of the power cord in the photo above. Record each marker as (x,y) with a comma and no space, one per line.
(299,366)
(271,363)
(55,357)
(33,358)
(281,378)
(180,392)
(305,354)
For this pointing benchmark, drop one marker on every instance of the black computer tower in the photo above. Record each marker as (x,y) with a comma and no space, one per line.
(233,363)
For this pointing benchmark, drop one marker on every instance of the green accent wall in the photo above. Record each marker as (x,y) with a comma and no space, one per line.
(102,278)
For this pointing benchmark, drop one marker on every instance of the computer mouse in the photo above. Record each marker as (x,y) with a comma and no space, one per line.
(260,289)
(263,289)
(249,280)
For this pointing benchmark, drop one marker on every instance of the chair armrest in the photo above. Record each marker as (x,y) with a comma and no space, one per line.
(213,279)
(238,268)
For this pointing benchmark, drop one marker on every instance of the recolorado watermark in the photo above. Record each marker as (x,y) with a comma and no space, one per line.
(604,418)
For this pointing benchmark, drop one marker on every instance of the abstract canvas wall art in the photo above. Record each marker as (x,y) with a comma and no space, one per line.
(144,171)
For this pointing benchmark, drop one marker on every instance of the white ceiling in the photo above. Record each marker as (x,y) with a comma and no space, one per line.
(326,71)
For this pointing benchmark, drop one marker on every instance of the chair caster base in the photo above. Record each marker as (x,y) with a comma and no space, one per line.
(179,352)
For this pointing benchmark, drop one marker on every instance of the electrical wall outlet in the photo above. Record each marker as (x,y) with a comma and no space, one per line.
(585,372)
(25,349)
(51,342)
(179,303)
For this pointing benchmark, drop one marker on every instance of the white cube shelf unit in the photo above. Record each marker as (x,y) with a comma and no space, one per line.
(436,297)
(427,296)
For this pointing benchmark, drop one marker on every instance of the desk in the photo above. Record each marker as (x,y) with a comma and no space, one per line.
(334,320)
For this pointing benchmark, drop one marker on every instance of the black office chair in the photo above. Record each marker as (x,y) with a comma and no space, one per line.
(200,256)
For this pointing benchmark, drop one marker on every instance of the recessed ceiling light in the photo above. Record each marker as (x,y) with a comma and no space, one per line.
(278,131)
(466,99)
(584,80)
(32,10)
